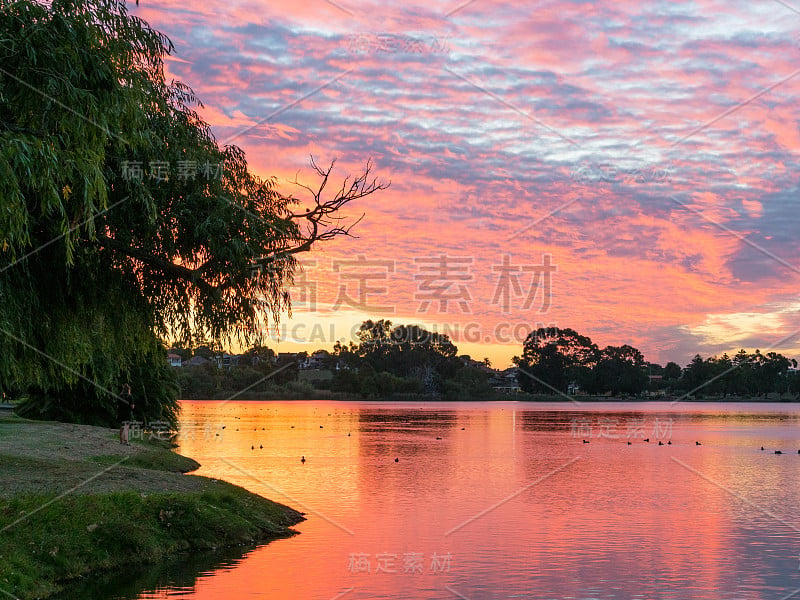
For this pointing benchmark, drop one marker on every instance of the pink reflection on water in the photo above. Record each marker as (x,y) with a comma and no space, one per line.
(497,500)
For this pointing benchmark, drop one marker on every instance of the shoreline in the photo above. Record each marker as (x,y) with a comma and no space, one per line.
(74,502)
(532,398)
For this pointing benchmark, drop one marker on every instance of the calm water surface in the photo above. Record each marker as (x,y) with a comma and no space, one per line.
(505,500)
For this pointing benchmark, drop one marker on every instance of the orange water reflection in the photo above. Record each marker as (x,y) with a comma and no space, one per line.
(509,502)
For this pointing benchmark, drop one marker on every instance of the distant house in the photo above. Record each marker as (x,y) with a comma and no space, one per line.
(467,361)
(174,360)
(506,382)
(226,361)
(196,361)
(315,361)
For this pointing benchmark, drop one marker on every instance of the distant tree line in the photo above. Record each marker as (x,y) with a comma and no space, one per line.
(257,373)
(403,361)
(555,360)
(408,361)
(743,375)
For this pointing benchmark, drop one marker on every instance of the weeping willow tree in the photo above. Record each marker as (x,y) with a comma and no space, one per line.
(123,222)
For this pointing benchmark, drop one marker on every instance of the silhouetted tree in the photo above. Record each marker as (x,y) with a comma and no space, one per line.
(553,357)
(619,369)
(672,371)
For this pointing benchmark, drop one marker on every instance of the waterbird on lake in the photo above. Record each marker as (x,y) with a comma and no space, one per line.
(438,438)
(303,459)
(261,447)
(698,444)
(660,443)
(348,434)
(321,427)
(778,452)
(396,460)
(630,443)
(585,441)
(762,448)
(647,440)
(252,447)
(669,443)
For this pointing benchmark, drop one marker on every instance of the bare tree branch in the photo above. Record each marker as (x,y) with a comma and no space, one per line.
(322,222)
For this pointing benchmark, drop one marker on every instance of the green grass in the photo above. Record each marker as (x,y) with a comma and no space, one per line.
(78,534)
(157,460)
(112,522)
(6,417)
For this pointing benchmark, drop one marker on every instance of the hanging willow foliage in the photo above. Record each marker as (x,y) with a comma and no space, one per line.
(122,220)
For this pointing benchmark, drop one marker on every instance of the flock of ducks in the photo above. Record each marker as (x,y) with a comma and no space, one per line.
(303,458)
(660,443)
(669,443)
(397,460)
(777,451)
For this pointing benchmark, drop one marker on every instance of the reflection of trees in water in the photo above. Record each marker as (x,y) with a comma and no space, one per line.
(181,571)
(419,417)
(568,420)
(405,432)
(625,423)
(417,437)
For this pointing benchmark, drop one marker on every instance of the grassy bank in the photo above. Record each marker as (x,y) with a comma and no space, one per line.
(73,501)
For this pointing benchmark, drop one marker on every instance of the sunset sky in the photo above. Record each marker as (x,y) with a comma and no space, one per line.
(636,160)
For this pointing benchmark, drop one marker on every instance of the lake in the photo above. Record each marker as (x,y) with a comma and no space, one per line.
(502,500)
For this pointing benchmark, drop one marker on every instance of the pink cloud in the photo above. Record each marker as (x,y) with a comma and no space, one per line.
(624,140)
